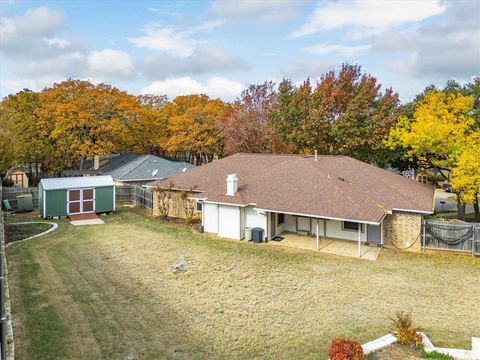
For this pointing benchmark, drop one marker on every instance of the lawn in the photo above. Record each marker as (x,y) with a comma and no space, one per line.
(106,291)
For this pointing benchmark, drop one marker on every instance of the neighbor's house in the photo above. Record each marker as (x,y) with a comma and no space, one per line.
(19,176)
(136,169)
(325,197)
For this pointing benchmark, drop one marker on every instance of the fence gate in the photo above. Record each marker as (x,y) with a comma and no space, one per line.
(443,235)
(134,196)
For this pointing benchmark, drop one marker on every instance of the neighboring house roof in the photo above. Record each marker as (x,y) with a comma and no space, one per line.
(76,182)
(131,167)
(334,187)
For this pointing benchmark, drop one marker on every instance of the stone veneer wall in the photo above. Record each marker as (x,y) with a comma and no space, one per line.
(402,229)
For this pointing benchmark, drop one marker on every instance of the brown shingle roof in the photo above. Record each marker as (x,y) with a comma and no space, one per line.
(332,187)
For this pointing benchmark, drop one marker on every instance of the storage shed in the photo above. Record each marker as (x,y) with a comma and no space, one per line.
(76,195)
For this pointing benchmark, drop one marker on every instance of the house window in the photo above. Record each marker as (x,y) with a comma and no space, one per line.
(280,219)
(350,226)
(199,206)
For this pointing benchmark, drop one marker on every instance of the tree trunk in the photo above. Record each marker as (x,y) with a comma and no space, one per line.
(82,163)
(460,209)
(476,209)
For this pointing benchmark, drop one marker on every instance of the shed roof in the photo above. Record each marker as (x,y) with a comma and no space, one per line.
(76,182)
(129,167)
(337,187)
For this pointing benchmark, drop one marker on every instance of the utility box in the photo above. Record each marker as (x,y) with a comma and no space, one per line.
(24,203)
(248,234)
(257,235)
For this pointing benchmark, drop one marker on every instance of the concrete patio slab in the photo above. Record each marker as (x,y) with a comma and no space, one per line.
(87,222)
(328,246)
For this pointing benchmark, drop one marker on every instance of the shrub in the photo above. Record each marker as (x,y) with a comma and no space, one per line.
(405,332)
(7,182)
(345,349)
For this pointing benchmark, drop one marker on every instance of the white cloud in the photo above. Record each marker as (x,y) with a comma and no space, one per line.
(206,58)
(110,62)
(21,35)
(300,70)
(323,48)
(257,11)
(214,87)
(443,50)
(368,17)
(57,42)
(175,43)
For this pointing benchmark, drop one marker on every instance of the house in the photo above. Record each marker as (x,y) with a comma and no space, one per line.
(136,169)
(19,177)
(334,197)
(76,195)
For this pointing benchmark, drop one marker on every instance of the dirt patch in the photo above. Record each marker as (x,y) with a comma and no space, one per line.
(18,232)
(395,352)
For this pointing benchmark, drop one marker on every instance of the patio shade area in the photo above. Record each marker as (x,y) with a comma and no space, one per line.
(328,245)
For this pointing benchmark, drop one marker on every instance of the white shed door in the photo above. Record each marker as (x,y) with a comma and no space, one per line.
(229,221)
(210,221)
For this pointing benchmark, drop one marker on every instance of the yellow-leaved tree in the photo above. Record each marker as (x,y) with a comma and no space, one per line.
(86,119)
(438,134)
(193,125)
(465,175)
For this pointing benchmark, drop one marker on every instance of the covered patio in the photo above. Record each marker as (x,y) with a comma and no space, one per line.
(328,245)
(333,236)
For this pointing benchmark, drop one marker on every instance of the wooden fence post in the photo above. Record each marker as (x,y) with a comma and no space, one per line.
(474,239)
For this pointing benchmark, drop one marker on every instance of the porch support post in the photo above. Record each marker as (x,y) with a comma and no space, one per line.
(359,239)
(318,237)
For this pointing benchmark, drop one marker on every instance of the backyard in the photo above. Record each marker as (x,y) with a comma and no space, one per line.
(107,291)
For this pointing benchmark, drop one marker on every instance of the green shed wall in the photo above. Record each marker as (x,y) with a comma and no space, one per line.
(104,199)
(56,203)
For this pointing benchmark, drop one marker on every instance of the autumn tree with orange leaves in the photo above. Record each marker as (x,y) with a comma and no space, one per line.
(193,127)
(87,119)
(247,126)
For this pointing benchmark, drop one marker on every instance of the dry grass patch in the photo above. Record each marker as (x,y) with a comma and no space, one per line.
(235,300)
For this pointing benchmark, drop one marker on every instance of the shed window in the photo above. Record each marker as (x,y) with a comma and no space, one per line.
(280,219)
(199,206)
(350,226)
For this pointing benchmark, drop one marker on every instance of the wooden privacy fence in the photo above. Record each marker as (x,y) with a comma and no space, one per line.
(444,235)
(134,196)
(11,193)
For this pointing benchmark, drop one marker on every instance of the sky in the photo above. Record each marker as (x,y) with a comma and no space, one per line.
(220,47)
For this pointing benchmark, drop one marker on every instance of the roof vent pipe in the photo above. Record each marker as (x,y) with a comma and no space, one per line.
(232,184)
(316,155)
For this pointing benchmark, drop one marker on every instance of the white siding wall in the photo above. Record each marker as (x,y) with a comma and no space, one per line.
(229,222)
(290,223)
(210,221)
(334,230)
(254,219)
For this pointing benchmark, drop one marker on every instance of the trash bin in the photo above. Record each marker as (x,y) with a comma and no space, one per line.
(248,234)
(24,202)
(257,235)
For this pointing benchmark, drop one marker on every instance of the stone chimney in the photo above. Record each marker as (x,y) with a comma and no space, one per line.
(232,184)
